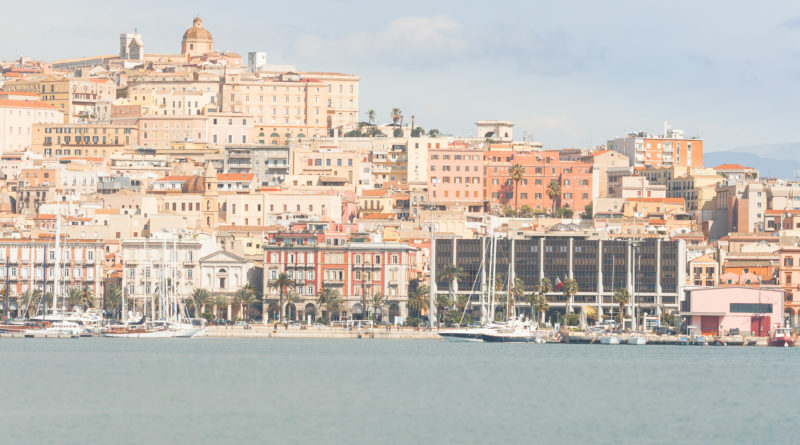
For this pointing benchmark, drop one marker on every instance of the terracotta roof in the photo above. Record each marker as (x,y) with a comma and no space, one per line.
(781,212)
(732,167)
(373,193)
(45,216)
(601,152)
(379,216)
(25,104)
(235,176)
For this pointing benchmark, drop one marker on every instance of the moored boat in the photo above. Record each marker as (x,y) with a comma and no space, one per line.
(781,337)
(609,340)
(636,339)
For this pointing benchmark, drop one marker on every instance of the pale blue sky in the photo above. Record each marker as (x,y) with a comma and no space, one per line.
(573,73)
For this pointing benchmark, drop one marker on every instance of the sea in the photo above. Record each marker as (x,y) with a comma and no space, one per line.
(310,391)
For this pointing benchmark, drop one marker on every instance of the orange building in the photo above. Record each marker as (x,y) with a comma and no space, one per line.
(575,179)
(668,150)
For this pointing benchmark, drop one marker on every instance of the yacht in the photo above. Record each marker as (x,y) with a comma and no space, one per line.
(609,340)
(69,328)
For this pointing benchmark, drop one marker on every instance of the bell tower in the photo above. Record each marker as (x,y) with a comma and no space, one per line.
(210,202)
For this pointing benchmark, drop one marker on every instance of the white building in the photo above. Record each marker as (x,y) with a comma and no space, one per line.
(16,121)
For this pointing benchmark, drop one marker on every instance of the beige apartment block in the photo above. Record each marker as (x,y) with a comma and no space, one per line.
(81,100)
(92,140)
(17,119)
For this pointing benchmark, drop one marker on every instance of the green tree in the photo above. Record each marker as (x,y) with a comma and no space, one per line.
(199,299)
(433,133)
(281,283)
(244,297)
(622,298)
(291,299)
(398,132)
(517,293)
(443,303)
(564,212)
(418,300)
(526,211)
(377,301)
(554,193)
(220,301)
(588,212)
(396,115)
(516,173)
(112,300)
(417,132)
(371,116)
(30,300)
(80,296)
(569,290)
(330,300)
(539,297)
(450,274)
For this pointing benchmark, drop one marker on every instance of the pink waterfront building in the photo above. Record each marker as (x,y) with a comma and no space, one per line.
(718,310)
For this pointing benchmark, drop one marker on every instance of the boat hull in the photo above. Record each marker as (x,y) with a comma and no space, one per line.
(500,338)
(637,341)
(610,340)
(782,342)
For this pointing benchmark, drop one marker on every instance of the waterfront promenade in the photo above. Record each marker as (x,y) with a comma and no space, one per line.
(261,331)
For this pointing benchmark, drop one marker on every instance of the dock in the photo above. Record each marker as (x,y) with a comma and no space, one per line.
(730,340)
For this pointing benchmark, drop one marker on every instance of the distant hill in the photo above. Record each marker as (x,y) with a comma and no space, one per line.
(773,160)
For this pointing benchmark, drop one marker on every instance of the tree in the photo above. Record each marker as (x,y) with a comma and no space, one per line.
(329,298)
(112,300)
(30,299)
(564,212)
(622,298)
(433,133)
(542,288)
(516,172)
(244,296)
(219,301)
(517,293)
(526,211)
(418,300)
(80,296)
(417,132)
(371,116)
(398,132)
(377,302)
(443,303)
(569,290)
(291,298)
(396,115)
(281,283)
(554,192)
(450,274)
(588,212)
(508,212)
(199,298)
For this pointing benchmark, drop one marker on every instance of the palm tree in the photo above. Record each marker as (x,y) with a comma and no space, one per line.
(329,298)
(377,302)
(396,115)
(516,172)
(80,296)
(31,300)
(371,116)
(418,300)
(443,302)
(554,193)
(543,287)
(200,298)
(569,290)
(450,274)
(112,299)
(622,298)
(291,298)
(517,293)
(219,302)
(244,296)
(281,283)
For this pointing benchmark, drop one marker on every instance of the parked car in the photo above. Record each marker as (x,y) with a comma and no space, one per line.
(663,330)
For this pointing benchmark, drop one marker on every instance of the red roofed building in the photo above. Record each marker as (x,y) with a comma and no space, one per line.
(736,171)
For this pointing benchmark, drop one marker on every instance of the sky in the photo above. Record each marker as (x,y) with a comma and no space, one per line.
(571,73)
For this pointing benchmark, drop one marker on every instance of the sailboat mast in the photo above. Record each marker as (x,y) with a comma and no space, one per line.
(57,272)
(124,285)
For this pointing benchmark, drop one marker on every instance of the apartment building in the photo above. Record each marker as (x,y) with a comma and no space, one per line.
(17,119)
(455,176)
(96,140)
(79,99)
(356,270)
(670,149)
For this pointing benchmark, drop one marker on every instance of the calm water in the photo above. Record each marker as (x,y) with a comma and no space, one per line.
(383,391)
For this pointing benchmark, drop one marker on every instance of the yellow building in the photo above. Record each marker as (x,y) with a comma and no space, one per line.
(96,140)
(81,100)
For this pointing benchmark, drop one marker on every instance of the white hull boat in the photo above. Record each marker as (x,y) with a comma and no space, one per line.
(609,340)
(637,340)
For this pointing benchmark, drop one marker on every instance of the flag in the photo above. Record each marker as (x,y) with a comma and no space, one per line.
(558,285)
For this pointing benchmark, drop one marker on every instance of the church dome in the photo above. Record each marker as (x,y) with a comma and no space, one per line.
(197,32)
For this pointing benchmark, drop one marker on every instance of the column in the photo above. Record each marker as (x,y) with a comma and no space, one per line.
(541,258)
(599,280)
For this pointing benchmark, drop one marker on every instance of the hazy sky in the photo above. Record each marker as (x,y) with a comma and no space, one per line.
(574,73)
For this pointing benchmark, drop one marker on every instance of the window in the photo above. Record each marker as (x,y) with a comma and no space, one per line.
(753,308)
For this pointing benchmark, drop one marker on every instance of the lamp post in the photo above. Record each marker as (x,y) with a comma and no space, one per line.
(432,260)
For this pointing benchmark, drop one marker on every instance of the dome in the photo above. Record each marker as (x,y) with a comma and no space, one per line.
(197,32)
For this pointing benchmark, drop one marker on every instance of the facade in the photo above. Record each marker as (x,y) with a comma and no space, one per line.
(98,140)
(668,150)
(269,163)
(17,119)
(358,271)
(456,176)
(81,265)
(789,278)
(718,310)
(79,99)
(654,272)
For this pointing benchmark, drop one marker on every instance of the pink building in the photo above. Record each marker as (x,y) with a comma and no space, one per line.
(718,310)
(457,171)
